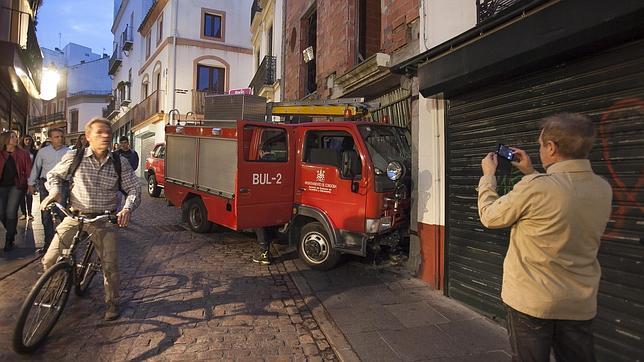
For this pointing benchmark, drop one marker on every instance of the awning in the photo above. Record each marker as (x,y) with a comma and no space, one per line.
(544,35)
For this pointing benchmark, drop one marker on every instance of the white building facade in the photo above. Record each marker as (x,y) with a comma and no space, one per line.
(267,18)
(83,91)
(168,55)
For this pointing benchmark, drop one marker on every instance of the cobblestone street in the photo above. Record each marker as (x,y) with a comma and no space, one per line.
(184,296)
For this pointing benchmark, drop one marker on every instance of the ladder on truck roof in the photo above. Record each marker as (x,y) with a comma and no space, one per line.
(341,107)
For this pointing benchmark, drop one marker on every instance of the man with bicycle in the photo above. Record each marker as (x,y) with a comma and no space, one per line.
(95,187)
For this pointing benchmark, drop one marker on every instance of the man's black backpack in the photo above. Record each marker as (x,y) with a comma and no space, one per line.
(78,158)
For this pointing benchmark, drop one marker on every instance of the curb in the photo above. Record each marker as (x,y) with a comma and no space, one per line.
(334,335)
(26,263)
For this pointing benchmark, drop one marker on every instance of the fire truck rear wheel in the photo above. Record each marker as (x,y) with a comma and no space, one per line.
(153,189)
(197,216)
(315,247)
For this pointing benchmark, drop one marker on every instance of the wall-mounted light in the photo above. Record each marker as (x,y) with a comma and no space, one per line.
(49,83)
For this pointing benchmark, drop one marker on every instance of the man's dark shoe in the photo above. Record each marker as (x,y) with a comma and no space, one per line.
(112,311)
(262,258)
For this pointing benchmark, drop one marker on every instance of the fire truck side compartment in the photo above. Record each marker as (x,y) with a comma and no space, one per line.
(217,166)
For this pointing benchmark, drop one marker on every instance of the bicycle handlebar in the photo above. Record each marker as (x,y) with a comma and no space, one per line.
(108,215)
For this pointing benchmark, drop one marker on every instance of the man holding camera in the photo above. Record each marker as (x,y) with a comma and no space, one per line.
(551,273)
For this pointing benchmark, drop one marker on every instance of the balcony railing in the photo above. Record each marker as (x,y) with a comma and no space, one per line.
(265,74)
(142,111)
(58,116)
(198,100)
(94,92)
(126,38)
(110,111)
(115,61)
(490,9)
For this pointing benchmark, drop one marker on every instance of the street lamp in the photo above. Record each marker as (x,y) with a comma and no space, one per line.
(49,83)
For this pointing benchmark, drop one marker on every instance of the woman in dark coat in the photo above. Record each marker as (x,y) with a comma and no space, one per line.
(15,167)
(27,144)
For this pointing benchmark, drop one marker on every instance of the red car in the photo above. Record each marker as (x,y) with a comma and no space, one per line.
(155,169)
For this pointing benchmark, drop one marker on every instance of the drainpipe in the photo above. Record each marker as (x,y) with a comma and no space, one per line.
(283,53)
(175,5)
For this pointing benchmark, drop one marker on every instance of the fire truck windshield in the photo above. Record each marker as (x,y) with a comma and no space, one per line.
(387,143)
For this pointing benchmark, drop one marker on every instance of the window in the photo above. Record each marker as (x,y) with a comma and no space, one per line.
(265,144)
(160,29)
(326,148)
(210,79)
(269,35)
(145,89)
(212,24)
(311,38)
(73,124)
(148,45)
(159,152)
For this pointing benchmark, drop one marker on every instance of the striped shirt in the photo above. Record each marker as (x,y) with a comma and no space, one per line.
(95,184)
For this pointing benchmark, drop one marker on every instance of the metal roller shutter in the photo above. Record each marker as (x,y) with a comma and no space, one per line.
(609,87)
(147,146)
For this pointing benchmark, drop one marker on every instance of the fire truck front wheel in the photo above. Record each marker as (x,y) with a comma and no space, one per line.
(197,215)
(315,247)
(153,188)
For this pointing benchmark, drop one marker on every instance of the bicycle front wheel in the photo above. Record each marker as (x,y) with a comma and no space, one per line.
(86,270)
(42,308)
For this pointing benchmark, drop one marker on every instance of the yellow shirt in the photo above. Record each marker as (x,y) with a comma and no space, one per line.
(551,269)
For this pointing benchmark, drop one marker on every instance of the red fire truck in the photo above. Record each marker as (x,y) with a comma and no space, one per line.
(333,187)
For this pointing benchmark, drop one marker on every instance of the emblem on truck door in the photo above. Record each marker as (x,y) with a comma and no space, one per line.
(320,176)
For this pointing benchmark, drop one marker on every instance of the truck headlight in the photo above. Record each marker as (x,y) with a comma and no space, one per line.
(394,170)
(373,226)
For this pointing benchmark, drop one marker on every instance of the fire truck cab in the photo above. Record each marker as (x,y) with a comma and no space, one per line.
(334,187)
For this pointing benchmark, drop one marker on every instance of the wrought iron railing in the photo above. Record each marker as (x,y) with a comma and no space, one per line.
(265,74)
(93,92)
(110,111)
(58,116)
(490,9)
(142,111)
(115,61)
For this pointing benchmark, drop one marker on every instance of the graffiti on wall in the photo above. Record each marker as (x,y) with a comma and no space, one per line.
(626,180)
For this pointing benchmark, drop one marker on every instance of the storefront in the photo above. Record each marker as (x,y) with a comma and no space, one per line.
(496,89)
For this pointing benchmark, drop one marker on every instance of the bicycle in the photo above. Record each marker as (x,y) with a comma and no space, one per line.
(45,303)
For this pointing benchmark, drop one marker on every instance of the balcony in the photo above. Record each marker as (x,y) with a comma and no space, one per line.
(141,112)
(48,118)
(115,62)
(198,100)
(490,9)
(265,75)
(110,111)
(126,38)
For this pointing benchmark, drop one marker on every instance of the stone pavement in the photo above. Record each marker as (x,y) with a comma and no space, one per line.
(185,296)
(30,237)
(188,296)
(385,314)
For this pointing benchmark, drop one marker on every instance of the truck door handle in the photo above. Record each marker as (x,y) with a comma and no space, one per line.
(301,189)
(244,190)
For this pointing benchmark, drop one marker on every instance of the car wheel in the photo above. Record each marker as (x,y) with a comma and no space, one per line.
(153,189)
(197,216)
(315,247)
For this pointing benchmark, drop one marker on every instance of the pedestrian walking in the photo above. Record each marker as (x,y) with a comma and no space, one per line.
(551,272)
(95,185)
(27,144)
(46,158)
(127,152)
(15,166)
